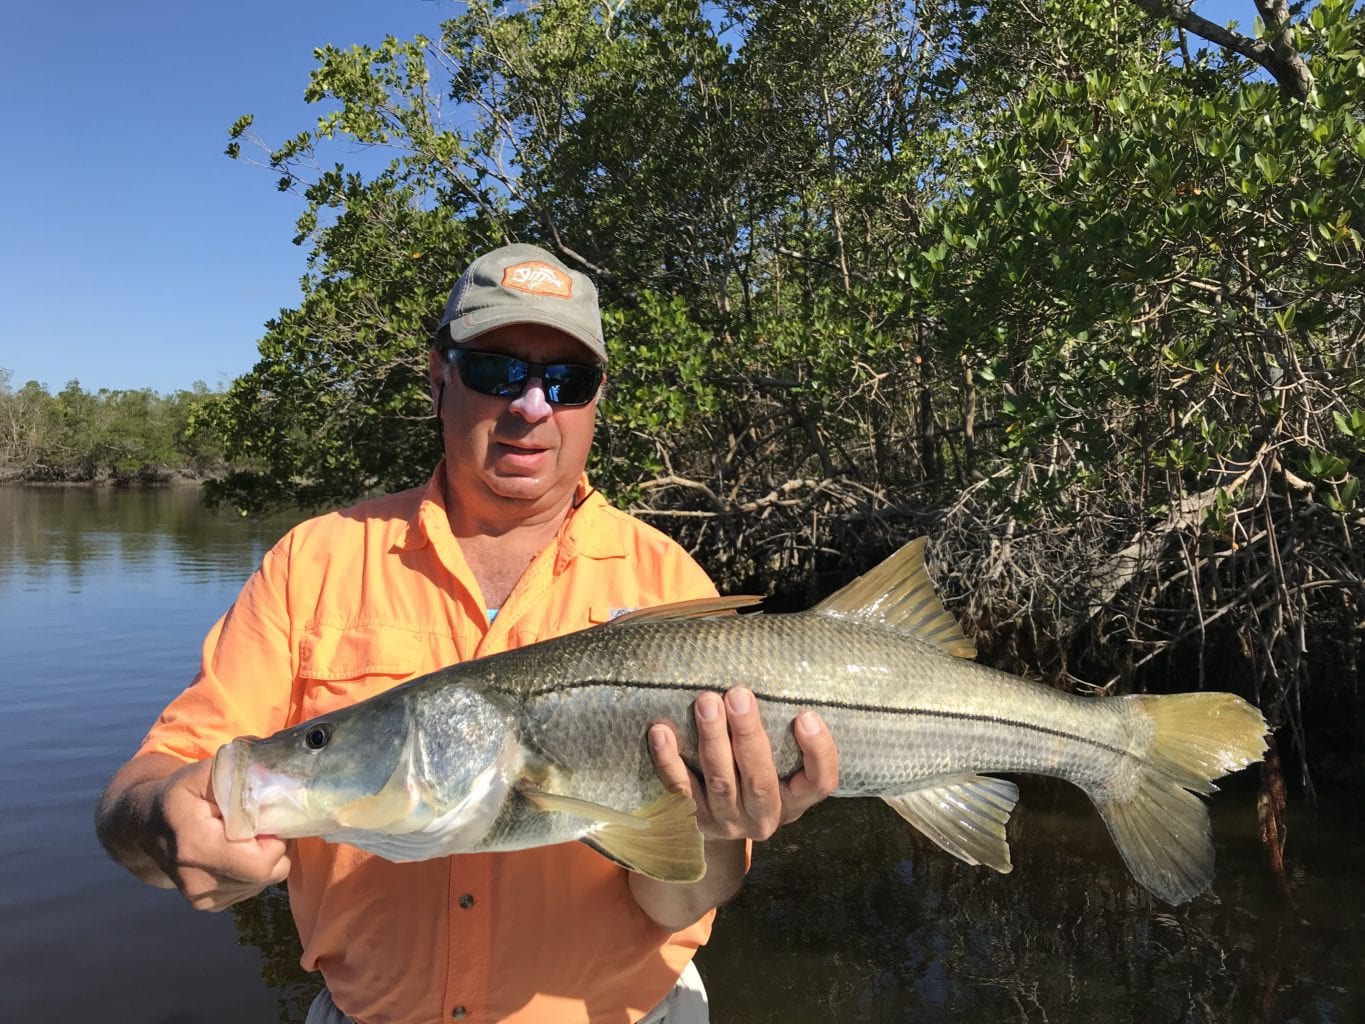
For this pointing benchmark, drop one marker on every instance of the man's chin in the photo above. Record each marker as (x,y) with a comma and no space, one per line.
(514,486)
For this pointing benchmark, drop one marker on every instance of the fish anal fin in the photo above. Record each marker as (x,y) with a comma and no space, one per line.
(965,815)
(700,608)
(669,848)
(899,594)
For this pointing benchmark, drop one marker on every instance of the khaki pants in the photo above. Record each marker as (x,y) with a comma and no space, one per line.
(685,1004)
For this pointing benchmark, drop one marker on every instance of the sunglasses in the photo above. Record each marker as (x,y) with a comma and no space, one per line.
(492,373)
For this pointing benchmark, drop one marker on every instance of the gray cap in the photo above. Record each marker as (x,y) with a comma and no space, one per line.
(522,284)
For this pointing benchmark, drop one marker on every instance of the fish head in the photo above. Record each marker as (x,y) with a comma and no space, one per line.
(351,768)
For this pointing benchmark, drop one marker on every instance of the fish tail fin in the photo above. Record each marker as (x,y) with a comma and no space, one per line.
(1160,826)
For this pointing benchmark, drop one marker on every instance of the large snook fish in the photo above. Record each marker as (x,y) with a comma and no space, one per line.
(547,743)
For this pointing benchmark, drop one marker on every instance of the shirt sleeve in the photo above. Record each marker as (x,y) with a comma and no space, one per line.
(245,684)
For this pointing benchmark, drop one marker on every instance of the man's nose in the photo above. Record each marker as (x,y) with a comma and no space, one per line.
(532,405)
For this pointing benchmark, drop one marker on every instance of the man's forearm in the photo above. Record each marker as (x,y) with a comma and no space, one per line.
(674,905)
(126,816)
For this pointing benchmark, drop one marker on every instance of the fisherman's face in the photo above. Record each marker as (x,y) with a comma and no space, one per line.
(523,450)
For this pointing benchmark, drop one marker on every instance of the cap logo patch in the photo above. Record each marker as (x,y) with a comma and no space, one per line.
(537,278)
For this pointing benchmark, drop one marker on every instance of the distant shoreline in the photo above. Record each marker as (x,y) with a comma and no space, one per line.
(25,477)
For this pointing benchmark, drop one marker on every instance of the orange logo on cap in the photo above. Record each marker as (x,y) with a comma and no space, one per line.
(538,278)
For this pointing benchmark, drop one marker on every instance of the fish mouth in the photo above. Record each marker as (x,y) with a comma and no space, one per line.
(230,789)
(255,800)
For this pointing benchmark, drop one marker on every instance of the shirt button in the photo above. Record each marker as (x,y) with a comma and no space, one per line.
(458,1012)
(466,901)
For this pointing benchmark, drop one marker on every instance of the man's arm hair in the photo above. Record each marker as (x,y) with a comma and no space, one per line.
(128,817)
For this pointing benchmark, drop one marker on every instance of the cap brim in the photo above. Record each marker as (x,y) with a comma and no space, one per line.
(471,326)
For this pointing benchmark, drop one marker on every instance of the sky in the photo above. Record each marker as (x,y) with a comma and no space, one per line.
(133,253)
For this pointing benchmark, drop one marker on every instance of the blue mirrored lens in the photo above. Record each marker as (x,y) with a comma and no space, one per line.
(492,373)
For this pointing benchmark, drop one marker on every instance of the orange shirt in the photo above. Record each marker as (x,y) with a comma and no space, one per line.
(352,603)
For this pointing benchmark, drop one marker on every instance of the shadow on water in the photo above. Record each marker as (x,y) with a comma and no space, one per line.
(848,915)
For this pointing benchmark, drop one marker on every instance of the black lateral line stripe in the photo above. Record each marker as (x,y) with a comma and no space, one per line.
(837,705)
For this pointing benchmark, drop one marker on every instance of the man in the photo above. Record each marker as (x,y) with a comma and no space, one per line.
(506,545)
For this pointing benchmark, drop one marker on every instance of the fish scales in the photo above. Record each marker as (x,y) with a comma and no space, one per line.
(548,743)
(900,709)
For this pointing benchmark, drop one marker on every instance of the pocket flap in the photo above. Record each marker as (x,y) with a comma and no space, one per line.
(333,652)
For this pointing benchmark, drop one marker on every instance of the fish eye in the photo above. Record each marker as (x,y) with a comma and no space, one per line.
(316,738)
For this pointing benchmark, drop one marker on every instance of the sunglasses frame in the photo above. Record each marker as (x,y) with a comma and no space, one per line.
(453,357)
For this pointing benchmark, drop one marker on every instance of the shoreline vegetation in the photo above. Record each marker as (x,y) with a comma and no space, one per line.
(147,476)
(1057,284)
(120,437)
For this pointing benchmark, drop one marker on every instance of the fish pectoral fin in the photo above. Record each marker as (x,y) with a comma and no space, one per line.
(701,608)
(965,815)
(668,848)
(586,809)
(395,808)
(660,840)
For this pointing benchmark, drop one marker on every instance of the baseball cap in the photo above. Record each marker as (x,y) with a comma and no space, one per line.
(522,284)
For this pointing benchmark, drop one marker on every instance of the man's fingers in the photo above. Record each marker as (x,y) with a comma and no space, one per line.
(212,871)
(717,763)
(668,762)
(281,870)
(759,793)
(739,794)
(663,748)
(819,776)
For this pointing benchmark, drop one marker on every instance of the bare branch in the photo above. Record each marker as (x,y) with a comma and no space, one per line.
(1278,56)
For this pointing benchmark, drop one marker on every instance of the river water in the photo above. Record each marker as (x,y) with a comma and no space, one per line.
(105,596)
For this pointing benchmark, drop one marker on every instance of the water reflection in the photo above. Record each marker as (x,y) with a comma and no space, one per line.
(51,533)
(104,598)
(848,915)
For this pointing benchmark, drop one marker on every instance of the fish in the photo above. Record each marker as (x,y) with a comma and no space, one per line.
(548,744)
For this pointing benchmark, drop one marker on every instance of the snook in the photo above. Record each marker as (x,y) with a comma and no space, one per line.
(547,743)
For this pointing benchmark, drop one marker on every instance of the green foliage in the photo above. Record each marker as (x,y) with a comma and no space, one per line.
(1033,273)
(1167,254)
(121,435)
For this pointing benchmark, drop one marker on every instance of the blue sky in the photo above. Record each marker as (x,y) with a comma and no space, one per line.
(132,252)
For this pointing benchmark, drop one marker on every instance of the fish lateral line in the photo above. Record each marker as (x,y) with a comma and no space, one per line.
(835,705)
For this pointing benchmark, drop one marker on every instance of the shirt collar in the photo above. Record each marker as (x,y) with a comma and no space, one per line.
(584,533)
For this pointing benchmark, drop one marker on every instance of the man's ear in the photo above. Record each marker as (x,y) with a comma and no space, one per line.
(435,371)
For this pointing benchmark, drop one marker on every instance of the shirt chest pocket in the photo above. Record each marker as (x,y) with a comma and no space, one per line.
(341,666)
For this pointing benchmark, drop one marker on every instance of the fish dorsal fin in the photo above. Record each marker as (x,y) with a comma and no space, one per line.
(964,815)
(660,840)
(898,593)
(700,608)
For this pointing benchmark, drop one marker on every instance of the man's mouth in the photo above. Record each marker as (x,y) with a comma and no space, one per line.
(522,449)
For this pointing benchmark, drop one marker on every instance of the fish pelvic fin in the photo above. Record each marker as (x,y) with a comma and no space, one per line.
(660,840)
(1161,827)
(699,608)
(899,594)
(965,815)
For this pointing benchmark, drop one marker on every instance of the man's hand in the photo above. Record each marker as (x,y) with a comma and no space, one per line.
(164,825)
(739,795)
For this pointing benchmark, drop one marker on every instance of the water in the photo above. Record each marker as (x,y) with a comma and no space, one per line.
(104,598)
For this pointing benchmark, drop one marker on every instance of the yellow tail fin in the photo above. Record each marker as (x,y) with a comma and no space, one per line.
(1162,828)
